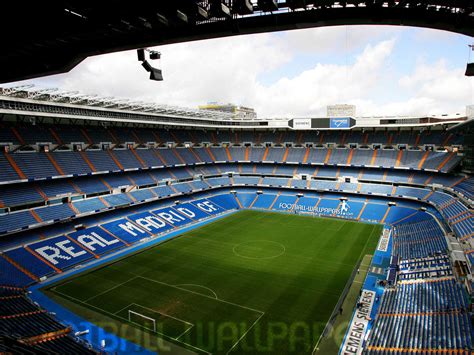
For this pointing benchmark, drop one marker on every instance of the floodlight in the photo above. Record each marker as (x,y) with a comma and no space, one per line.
(469,69)
(155,73)
(155,55)
(141,54)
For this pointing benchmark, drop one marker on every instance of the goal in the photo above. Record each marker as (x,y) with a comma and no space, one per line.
(141,319)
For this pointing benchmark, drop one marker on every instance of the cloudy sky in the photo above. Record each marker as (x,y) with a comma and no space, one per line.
(382,69)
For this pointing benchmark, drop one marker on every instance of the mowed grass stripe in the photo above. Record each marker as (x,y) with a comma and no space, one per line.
(294,292)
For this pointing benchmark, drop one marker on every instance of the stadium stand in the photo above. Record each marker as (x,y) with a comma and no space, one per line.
(84,179)
(175,178)
(419,239)
(27,329)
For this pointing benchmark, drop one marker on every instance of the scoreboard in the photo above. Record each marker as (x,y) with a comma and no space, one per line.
(322,123)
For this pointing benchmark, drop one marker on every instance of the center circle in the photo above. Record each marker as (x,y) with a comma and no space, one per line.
(259,249)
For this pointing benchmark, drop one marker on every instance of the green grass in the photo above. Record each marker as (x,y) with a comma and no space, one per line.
(332,341)
(251,282)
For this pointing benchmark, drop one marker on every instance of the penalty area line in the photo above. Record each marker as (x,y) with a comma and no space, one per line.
(121,309)
(187,330)
(110,289)
(248,330)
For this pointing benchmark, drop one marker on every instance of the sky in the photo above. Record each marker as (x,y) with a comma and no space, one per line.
(383,70)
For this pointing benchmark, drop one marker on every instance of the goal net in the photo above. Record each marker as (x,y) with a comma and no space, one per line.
(141,319)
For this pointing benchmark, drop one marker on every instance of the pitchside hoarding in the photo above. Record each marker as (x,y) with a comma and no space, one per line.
(358,327)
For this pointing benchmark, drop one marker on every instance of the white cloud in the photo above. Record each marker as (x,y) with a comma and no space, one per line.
(439,88)
(337,40)
(234,69)
(308,93)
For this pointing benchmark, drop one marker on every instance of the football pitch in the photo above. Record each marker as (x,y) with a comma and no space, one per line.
(252,282)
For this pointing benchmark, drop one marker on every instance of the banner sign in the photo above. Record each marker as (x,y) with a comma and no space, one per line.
(383,244)
(358,327)
(340,122)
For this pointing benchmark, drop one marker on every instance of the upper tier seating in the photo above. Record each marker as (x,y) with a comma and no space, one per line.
(7,171)
(72,163)
(63,134)
(43,165)
(466,187)
(35,165)
(102,160)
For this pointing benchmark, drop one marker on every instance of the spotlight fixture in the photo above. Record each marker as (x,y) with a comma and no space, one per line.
(470,65)
(147,66)
(469,69)
(141,54)
(155,55)
(155,73)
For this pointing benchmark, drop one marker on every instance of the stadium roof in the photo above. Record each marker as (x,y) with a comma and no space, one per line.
(27,100)
(43,38)
(54,95)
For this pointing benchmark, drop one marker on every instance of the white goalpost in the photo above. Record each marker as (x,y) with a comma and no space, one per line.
(142,316)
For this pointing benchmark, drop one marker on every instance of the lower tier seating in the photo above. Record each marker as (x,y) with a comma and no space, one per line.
(424,296)
(416,240)
(424,332)
(27,329)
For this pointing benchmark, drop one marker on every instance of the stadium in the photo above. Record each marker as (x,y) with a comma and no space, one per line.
(134,227)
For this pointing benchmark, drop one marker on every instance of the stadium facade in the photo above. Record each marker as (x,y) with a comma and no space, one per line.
(84,180)
(239,112)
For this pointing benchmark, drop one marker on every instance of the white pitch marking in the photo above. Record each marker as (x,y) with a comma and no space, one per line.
(121,309)
(204,287)
(110,289)
(200,294)
(187,330)
(164,314)
(243,335)
(259,258)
